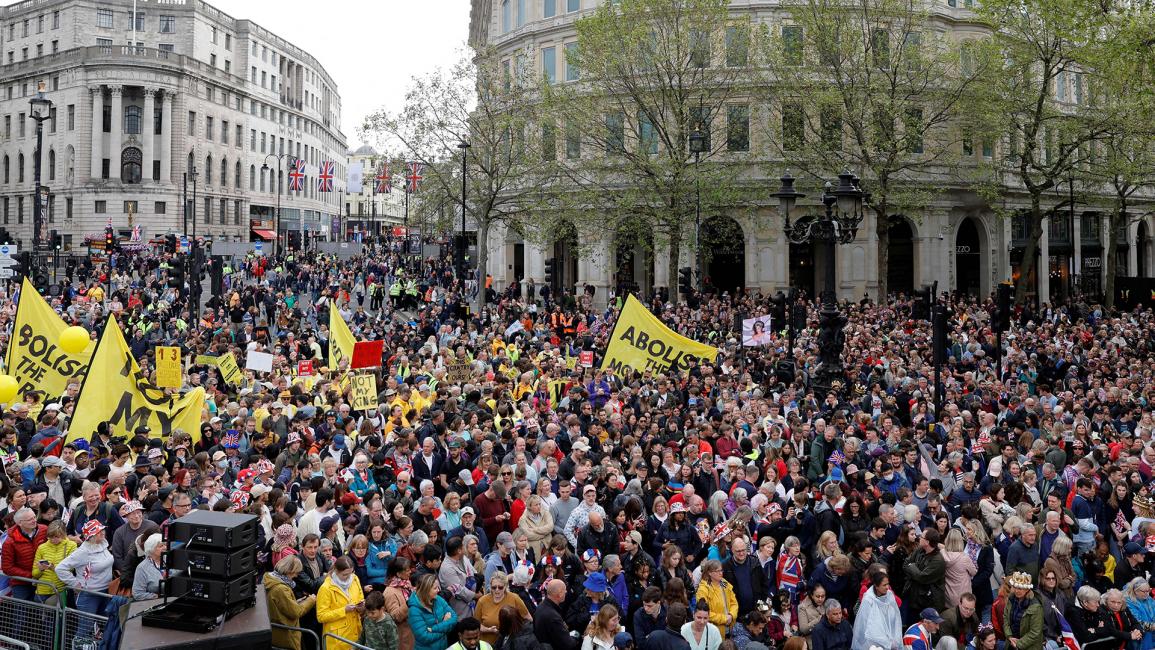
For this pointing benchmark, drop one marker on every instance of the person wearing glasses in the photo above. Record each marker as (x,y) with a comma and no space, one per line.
(489,606)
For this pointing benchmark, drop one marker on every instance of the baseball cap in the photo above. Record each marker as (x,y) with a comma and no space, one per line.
(930,614)
(623,640)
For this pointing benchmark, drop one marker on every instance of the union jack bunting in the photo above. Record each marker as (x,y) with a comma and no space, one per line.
(325,176)
(384,180)
(414,177)
(1067,635)
(297,176)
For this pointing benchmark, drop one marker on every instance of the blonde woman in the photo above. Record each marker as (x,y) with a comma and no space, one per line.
(720,596)
(604,625)
(827,547)
(537,523)
(960,568)
(1060,562)
(489,606)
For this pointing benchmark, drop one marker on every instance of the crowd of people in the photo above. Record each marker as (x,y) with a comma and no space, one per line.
(541,503)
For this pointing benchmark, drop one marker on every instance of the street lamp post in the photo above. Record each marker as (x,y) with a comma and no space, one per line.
(40,110)
(697,147)
(464,147)
(837,224)
(277,188)
(192,174)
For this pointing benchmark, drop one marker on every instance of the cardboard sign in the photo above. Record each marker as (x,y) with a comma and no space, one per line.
(364,392)
(305,368)
(168,367)
(586,358)
(457,372)
(229,369)
(367,354)
(259,361)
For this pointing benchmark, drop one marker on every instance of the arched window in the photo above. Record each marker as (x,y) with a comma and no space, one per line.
(224,172)
(237,176)
(51,164)
(252,177)
(208,169)
(262,179)
(132,120)
(20,168)
(130,164)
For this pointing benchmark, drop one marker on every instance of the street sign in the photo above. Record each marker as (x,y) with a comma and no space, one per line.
(8,250)
(6,273)
(259,248)
(184,248)
(6,259)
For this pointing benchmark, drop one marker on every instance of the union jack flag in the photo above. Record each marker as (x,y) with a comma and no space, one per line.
(916,638)
(384,180)
(325,176)
(414,178)
(297,176)
(1067,635)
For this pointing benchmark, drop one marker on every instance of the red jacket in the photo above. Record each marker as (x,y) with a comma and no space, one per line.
(19,551)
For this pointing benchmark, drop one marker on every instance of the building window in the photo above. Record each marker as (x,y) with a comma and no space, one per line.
(25,30)
(792,44)
(104,18)
(131,207)
(229,42)
(105,43)
(208,210)
(506,16)
(208,170)
(159,207)
(208,127)
(988,149)
(571,68)
(224,132)
(55,46)
(7,170)
(130,165)
(699,48)
(237,212)
(168,24)
(51,164)
(132,120)
(914,126)
(521,13)
(105,167)
(224,212)
(192,124)
(252,177)
(6,206)
(240,139)
(20,168)
(52,120)
(737,46)
(548,8)
(700,119)
(224,172)
(615,133)
(100,207)
(738,128)
(166,47)
(213,60)
(237,176)
(647,135)
(793,127)
(214,36)
(20,209)
(573,5)
(548,141)
(139,21)
(549,64)
(55,20)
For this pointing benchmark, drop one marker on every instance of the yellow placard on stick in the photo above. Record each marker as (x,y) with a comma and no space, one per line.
(229,370)
(364,389)
(168,367)
(642,342)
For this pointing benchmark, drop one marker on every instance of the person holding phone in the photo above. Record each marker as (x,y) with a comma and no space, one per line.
(340,602)
(48,555)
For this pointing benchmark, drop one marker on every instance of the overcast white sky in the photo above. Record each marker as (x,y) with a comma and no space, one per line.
(370,47)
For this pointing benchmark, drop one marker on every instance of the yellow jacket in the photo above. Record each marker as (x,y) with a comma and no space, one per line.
(722,602)
(54,553)
(331,602)
(284,610)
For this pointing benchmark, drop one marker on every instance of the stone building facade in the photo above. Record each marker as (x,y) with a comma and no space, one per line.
(135,112)
(957,240)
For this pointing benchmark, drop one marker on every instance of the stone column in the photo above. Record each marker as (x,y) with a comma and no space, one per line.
(97,132)
(116,139)
(534,266)
(594,267)
(1043,268)
(1077,243)
(1133,250)
(166,152)
(147,131)
(660,259)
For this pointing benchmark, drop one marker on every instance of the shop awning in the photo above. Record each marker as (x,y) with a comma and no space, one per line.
(264,234)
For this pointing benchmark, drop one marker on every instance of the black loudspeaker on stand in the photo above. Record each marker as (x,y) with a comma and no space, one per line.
(211,571)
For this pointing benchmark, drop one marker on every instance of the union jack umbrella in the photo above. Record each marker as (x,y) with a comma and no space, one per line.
(325,176)
(297,176)
(384,180)
(414,178)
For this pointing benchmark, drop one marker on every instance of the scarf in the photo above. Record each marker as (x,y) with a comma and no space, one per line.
(404,586)
(343,585)
(292,584)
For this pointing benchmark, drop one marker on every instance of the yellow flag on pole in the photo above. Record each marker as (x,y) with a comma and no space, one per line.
(341,339)
(34,358)
(122,395)
(642,342)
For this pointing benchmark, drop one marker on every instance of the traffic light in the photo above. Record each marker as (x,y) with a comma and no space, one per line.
(920,309)
(109,240)
(57,240)
(1002,316)
(170,244)
(6,237)
(23,266)
(686,280)
(176,274)
(778,312)
(549,271)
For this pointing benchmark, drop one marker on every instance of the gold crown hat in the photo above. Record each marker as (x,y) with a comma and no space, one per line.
(1020,580)
(1141,502)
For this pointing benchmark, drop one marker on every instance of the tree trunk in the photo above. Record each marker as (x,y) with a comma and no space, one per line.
(1118,220)
(675,253)
(882,231)
(1030,252)
(482,262)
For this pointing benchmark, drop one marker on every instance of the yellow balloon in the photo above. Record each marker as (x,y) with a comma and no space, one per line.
(8,388)
(74,339)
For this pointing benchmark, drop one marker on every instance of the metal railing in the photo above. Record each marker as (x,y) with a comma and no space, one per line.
(7,643)
(302,630)
(81,630)
(31,624)
(340,639)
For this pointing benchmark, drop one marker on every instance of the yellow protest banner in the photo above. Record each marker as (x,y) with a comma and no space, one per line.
(34,358)
(556,391)
(642,342)
(341,339)
(121,395)
(364,392)
(168,368)
(229,370)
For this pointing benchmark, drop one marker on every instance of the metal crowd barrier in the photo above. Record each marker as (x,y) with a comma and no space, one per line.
(82,630)
(303,631)
(31,625)
(352,644)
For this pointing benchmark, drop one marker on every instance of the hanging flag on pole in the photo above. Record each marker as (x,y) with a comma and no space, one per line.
(414,178)
(325,176)
(384,180)
(297,176)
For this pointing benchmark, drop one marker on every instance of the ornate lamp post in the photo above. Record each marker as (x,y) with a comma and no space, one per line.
(837,224)
(40,109)
(697,147)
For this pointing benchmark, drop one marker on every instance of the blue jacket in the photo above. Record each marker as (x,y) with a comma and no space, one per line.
(375,568)
(430,628)
(362,487)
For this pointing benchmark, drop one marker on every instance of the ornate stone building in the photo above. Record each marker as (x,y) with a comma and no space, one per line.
(140,102)
(958,240)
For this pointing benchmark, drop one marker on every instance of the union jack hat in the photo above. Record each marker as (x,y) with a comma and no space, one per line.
(240,499)
(231,441)
(246,475)
(591,554)
(552,560)
(838,458)
(524,564)
(775,509)
(292,437)
(91,529)
(265,466)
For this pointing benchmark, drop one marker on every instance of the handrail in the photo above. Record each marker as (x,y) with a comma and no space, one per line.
(352,644)
(9,642)
(290,628)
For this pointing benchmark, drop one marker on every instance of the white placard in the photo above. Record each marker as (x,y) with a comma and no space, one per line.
(259,361)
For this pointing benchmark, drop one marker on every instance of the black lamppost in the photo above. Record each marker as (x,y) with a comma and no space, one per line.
(464,147)
(697,147)
(40,110)
(191,174)
(276,183)
(837,224)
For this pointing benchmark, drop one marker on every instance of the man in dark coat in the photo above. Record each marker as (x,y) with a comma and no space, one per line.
(746,576)
(833,632)
(598,534)
(669,637)
(926,574)
(548,623)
